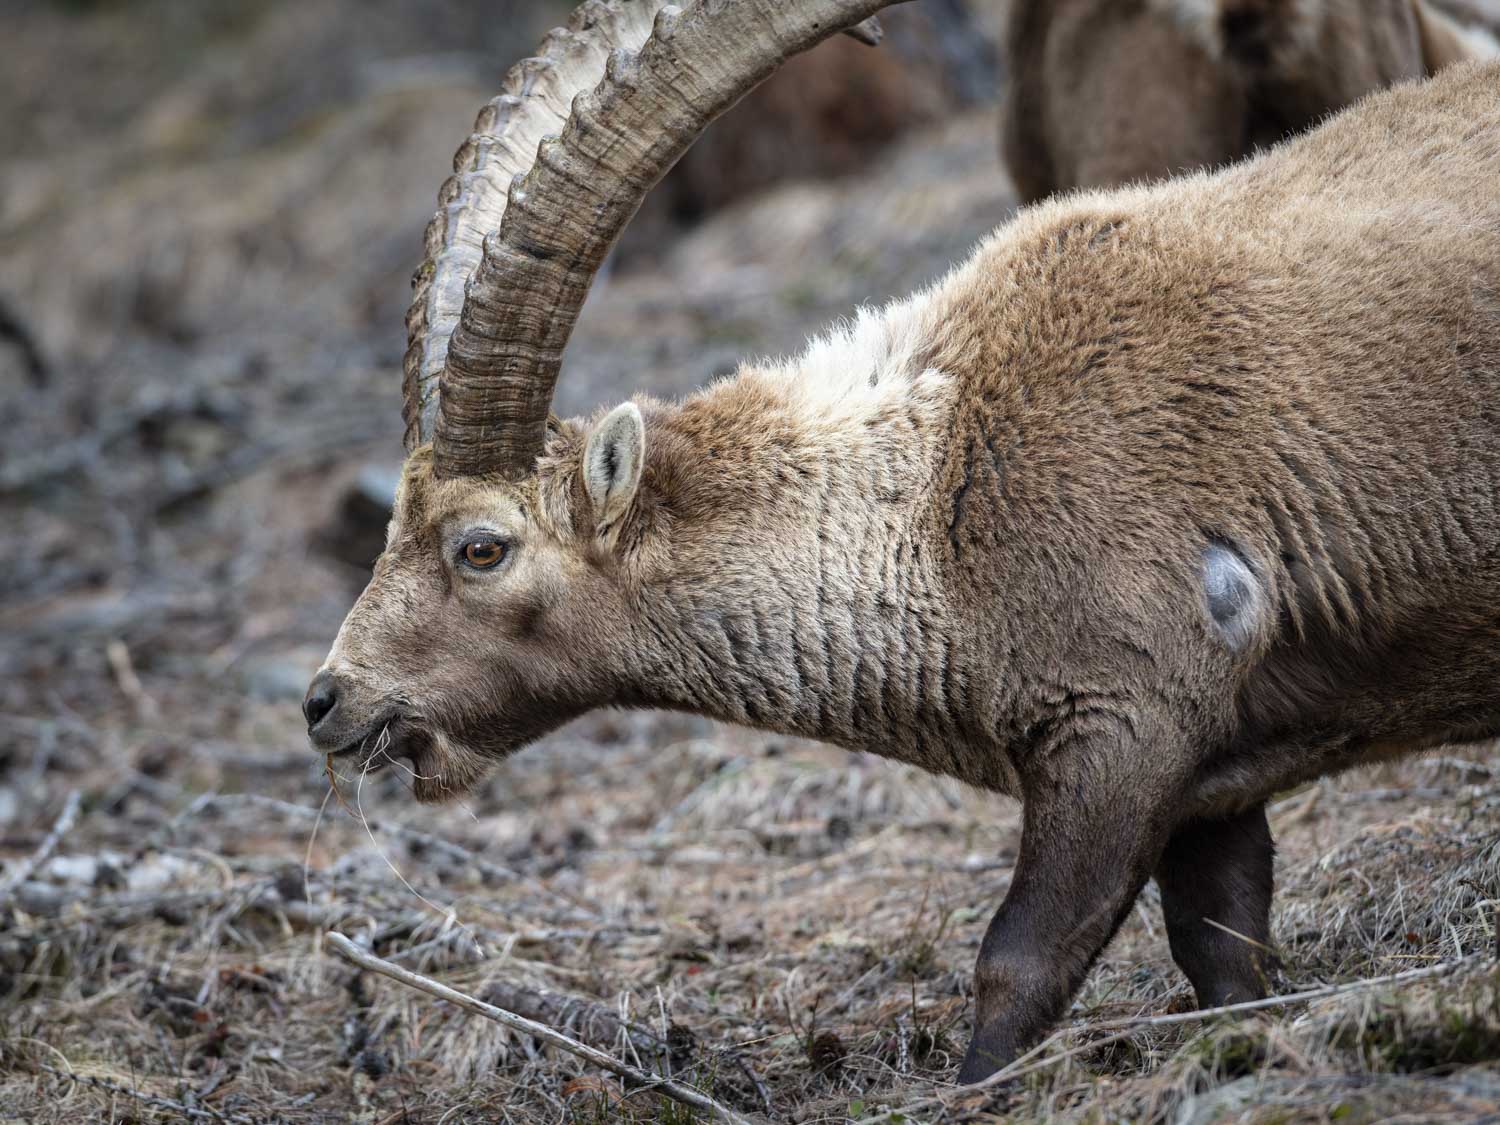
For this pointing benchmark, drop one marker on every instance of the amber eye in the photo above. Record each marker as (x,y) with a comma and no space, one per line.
(483,553)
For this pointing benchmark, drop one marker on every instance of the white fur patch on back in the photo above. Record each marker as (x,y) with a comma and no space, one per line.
(855,369)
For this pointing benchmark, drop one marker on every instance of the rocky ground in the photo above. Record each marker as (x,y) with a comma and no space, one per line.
(207,217)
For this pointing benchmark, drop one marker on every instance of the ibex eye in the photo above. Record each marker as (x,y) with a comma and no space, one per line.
(483,553)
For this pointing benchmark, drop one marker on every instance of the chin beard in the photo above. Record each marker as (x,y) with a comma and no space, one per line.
(444,770)
(446,767)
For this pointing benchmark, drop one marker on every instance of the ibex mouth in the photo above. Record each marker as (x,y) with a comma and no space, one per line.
(364,759)
(376,749)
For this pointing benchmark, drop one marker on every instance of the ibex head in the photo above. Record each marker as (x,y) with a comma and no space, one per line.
(509,596)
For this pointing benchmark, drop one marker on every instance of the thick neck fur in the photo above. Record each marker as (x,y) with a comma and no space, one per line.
(785,574)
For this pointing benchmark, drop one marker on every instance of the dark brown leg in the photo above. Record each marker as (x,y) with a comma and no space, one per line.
(1091,837)
(1219,871)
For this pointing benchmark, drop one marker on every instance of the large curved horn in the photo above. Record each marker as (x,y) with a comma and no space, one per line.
(499,366)
(534,101)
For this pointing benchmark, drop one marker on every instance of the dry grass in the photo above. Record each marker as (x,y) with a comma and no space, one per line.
(812,913)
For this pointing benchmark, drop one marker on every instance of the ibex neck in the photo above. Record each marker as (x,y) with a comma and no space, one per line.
(802,596)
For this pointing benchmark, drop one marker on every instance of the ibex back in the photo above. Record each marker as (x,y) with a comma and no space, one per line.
(1164,501)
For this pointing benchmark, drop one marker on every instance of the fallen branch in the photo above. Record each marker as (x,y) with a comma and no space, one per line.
(1123,1028)
(674,1090)
(117,653)
(591,1021)
(22,871)
(588,1021)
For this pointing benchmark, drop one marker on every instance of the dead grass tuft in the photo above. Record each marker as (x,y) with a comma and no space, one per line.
(812,952)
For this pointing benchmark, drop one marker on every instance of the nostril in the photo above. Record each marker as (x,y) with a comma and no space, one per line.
(322,697)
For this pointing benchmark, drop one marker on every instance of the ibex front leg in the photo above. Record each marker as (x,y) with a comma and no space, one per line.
(1094,827)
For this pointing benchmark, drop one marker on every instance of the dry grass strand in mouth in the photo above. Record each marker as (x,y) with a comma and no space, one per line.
(448,914)
(312,836)
(333,788)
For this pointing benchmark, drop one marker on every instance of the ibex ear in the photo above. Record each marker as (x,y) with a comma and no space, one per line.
(612,463)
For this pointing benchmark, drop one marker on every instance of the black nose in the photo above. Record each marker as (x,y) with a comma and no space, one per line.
(322,697)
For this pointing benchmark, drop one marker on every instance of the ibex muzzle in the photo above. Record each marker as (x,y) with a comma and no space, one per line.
(1164,501)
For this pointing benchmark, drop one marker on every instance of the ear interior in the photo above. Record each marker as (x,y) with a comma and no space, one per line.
(612,463)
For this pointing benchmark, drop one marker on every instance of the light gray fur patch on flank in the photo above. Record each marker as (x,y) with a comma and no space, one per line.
(1233,593)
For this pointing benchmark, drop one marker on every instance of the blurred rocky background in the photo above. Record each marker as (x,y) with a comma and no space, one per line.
(208,217)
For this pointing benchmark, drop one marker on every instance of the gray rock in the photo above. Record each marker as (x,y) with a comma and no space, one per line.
(42,900)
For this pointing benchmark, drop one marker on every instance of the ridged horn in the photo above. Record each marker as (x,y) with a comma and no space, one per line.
(592,166)
(534,101)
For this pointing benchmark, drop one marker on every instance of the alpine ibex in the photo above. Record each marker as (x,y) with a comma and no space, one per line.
(1104,92)
(1164,501)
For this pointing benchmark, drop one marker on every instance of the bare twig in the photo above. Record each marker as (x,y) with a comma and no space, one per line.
(123,667)
(755,1080)
(1445,968)
(674,1090)
(597,1023)
(22,871)
(1123,1028)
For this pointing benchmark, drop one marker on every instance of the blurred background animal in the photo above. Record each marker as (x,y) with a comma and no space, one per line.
(1103,92)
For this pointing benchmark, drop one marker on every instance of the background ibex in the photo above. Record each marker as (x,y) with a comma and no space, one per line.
(1164,501)
(1102,93)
